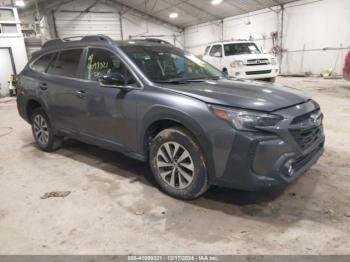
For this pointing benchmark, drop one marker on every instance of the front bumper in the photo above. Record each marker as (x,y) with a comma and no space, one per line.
(266,165)
(254,72)
(266,159)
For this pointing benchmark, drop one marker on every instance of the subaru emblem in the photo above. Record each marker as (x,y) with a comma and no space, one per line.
(316,118)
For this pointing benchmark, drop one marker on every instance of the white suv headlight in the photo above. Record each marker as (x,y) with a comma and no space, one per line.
(237,63)
(246,120)
(273,61)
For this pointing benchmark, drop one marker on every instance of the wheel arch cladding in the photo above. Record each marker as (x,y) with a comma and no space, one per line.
(161,118)
(31,105)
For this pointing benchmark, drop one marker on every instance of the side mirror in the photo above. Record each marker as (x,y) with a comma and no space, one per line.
(217,54)
(112,80)
(264,51)
(225,72)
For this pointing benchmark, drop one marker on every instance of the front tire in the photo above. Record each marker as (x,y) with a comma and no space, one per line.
(43,133)
(178,164)
(12,93)
(272,79)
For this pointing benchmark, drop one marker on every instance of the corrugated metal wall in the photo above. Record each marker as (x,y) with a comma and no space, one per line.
(70,24)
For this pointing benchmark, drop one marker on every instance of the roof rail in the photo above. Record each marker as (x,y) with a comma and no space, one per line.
(78,37)
(153,40)
(157,40)
(88,38)
(52,42)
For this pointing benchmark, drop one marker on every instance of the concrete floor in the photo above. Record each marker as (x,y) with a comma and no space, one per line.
(113,208)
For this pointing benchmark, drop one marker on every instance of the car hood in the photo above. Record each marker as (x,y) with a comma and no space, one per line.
(245,94)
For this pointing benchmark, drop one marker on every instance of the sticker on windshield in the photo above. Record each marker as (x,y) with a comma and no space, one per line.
(252,48)
(195,60)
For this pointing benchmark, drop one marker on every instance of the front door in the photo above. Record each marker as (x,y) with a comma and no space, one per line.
(215,55)
(110,112)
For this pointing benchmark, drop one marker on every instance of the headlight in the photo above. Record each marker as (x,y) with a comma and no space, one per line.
(273,61)
(237,63)
(246,120)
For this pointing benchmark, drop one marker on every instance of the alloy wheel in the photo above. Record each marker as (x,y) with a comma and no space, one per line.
(175,165)
(41,130)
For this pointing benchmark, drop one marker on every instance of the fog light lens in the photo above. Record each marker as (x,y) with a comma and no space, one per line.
(289,168)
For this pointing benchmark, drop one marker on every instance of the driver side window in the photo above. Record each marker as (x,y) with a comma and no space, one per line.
(102,62)
(216,51)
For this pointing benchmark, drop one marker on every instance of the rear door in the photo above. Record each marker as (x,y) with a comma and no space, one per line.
(59,86)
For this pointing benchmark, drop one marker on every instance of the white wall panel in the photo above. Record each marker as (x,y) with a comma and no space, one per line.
(317,25)
(257,25)
(77,24)
(197,37)
(6,70)
(135,26)
(16,43)
(104,19)
(97,18)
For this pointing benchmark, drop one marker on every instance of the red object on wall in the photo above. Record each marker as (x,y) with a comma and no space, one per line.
(346,70)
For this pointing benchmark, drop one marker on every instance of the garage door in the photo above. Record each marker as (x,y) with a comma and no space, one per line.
(6,70)
(77,24)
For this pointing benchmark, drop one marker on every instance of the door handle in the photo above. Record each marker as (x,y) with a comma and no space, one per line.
(43,86)
(80,93)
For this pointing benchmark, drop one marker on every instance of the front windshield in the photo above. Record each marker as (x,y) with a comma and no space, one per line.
(169,64)
(241,48)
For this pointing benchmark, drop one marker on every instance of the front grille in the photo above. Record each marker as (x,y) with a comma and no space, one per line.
(301,161)
(257,62)
(304,118)
(307,137)
(258,72)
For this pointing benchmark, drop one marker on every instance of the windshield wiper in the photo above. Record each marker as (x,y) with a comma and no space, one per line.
(203,79)
(171,81)
(184,81)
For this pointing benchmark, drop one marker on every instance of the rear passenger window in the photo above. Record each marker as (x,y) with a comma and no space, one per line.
(42,63)
(66,64)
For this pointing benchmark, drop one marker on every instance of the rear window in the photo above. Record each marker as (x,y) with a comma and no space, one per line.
(42,63)
(66,64)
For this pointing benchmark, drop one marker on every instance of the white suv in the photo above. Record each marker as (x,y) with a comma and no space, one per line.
(242,59)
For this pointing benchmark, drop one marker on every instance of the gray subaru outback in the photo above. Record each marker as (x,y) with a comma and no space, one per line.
(156,103)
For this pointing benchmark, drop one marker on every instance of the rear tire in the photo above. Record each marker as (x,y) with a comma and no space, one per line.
(178,164)
(43,132)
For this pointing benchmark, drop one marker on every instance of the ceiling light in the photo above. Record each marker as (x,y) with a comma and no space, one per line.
(173,15)
(20,3)
(216,2)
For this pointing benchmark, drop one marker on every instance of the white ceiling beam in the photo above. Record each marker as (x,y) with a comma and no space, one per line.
(129,8)
(266,6)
